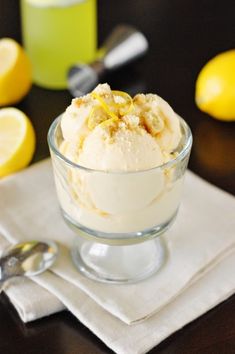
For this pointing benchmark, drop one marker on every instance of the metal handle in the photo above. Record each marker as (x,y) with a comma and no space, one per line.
(124,45)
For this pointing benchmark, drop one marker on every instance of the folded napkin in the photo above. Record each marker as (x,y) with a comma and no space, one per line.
(198,243)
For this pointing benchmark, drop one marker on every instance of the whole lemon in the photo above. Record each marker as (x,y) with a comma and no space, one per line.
(215,87)
(15,72)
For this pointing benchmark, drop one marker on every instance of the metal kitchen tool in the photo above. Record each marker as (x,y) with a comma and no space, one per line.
(124,45)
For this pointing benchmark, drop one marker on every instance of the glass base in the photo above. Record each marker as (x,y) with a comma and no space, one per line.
(118,264)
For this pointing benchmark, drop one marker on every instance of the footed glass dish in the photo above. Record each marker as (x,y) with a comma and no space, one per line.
(119,217)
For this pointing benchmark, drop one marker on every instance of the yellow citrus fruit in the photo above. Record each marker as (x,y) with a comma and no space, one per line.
(17,140)
(15,72)
(215,87)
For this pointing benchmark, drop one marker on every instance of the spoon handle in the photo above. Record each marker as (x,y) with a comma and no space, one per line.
(9,267)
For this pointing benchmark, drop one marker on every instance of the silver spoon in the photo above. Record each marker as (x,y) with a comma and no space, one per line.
(28,258)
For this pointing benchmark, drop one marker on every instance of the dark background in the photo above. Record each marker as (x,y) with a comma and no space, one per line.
(183,36)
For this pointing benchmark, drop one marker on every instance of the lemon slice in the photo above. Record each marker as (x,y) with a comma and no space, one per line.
(17,140)
(15,72)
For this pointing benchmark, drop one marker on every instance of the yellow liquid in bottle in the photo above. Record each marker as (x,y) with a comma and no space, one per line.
(57,37)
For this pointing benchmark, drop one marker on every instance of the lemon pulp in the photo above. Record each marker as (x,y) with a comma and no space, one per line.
(15,72)
(17,141)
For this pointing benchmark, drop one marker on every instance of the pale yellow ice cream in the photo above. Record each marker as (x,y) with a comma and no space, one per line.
(136,135)
(118,137)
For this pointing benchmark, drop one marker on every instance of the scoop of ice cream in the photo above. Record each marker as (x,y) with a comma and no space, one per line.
(107,130)
(158,114)
(128,151)
(120,140)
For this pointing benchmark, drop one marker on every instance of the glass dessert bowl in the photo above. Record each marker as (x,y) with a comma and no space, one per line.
(118,215)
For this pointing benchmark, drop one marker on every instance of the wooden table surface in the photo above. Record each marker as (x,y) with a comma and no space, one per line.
(183,35)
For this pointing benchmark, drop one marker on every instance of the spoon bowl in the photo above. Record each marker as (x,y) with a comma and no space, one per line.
(27,258)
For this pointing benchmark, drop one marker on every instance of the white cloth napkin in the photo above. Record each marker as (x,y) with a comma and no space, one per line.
(198,243)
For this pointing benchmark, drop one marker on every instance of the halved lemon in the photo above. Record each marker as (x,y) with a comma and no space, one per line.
(15,72)
(17,141)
